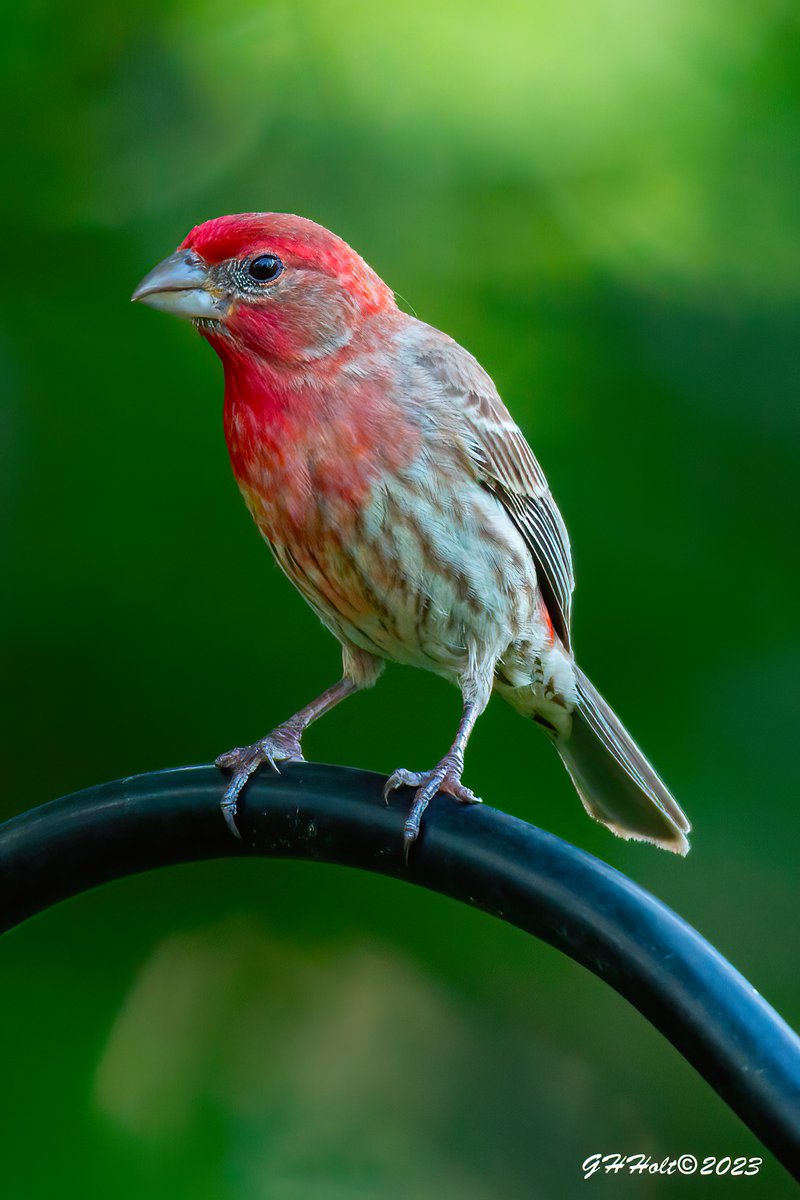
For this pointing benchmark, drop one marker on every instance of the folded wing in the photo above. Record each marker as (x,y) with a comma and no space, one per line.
(506,466)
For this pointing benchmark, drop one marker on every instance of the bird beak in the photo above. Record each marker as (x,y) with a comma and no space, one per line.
(180,285)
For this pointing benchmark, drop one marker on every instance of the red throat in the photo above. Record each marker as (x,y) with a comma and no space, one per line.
(306,447)
(310,420)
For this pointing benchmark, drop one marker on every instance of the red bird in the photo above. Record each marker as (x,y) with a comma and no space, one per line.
(396,492)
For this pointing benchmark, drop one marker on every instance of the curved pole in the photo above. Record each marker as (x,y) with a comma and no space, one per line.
(495,862)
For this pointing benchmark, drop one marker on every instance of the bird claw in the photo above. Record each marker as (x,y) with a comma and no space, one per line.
(282,745)
(444,777)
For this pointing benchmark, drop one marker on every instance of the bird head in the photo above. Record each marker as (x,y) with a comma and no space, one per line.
(270,284)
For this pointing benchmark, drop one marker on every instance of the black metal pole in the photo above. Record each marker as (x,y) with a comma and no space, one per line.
(495,862)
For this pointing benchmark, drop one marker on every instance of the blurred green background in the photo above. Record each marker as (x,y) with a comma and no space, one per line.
(600,201)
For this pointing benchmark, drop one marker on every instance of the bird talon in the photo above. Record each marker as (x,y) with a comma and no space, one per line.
(409,837)
(228,808)
(442,778)
(400,778)
(281,745)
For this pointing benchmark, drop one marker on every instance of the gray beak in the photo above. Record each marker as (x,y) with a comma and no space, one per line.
(180,285)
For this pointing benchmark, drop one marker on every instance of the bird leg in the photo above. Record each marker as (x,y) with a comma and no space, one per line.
(282,745)
(360,669)
(445,776)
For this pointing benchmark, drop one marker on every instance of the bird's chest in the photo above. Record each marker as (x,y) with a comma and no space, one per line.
(303,459)
(299,500)
(445,572)
(309,478)
(409,562)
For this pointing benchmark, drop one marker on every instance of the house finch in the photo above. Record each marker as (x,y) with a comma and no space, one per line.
(396,492)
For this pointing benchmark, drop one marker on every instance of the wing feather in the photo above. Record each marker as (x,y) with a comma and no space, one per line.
(507,467)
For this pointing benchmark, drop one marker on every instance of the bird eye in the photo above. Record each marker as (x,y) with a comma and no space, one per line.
(265,268)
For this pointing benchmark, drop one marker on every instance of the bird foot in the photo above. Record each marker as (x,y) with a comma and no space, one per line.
(444,777)
(282,745)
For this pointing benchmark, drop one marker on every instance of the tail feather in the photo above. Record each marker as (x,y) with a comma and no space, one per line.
(616,783)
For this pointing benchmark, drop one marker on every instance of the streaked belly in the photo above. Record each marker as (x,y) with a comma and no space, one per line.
(421,576)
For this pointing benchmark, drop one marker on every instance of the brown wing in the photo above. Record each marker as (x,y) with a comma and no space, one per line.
(506,466)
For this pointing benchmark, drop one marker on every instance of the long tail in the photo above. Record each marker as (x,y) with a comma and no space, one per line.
(614,779)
